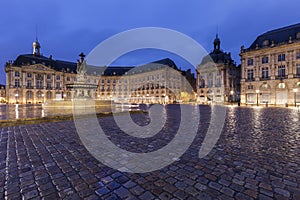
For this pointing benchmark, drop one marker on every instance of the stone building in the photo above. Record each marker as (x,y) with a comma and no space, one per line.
(34,78)
(217,77)
(271,68)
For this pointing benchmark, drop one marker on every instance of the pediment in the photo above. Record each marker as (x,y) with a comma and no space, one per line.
(37,67)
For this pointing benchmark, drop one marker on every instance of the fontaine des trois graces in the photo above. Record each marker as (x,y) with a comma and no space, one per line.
(82,89)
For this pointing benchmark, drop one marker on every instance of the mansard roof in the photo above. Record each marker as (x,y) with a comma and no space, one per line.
(70,67)
(277,36)
(58,65)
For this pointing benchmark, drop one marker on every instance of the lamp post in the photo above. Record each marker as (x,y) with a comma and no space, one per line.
(295,90)
(17,95)
(257,91)
(231,93)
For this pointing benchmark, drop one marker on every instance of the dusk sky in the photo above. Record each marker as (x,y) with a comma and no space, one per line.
(66,28)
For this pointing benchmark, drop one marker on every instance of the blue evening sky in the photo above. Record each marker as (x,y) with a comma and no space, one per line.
(66,28)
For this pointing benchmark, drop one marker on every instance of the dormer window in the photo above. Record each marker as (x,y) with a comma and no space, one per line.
(266,43)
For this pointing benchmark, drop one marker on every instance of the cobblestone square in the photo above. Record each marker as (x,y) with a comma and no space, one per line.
(256,157)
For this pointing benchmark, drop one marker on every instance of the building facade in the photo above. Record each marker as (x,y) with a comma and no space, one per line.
(34,78)
(271,68)
(218,77)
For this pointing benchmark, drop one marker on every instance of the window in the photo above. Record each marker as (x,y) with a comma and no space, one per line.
(102,81)
(57,85)
(29,85)
(29,75)
(49,85)
(265,86)
(58,77)
(48,76)
(68,79)
(202,83)
(218,84)
(250,74)
(265,72)
(298,55)
(250,62)
(281,71)
(298,35)
(250,87)
(266,42)
(281,57)
(39,83)
(298,70)
(210,80)
(265,60)
(17,82)
(17,74)
(281,85)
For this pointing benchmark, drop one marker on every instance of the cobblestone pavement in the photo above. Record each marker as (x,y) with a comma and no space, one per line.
(257,157)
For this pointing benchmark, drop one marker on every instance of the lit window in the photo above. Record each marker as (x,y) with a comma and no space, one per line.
(281,57)
(265,60)
(250,62)
(281,85)
(265,86)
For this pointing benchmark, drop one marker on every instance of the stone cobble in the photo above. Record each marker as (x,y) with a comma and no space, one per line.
(256,157)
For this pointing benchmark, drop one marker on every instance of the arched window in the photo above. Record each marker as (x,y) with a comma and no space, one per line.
(281,85)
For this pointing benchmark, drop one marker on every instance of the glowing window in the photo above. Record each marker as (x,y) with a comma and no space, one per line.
(281,85)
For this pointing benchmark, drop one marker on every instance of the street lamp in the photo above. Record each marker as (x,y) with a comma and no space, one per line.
(257,91)
(231,93)
(295,90)
(17,95)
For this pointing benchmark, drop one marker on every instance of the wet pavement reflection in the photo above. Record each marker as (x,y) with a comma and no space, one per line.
(10,111)
(256,157)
